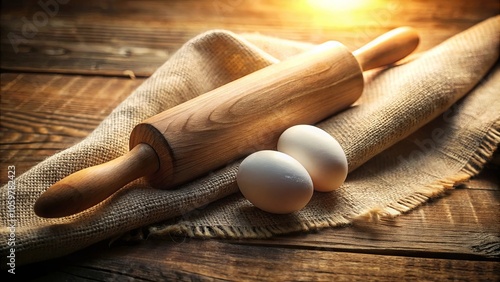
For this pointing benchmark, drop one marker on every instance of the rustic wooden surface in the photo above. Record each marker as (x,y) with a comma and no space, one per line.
(68,74)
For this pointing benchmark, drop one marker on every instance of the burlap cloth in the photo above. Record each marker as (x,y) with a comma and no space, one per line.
(407,140)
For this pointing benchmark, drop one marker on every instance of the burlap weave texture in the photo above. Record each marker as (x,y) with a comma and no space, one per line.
(409,138)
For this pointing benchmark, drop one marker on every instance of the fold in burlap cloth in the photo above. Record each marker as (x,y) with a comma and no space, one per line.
(408,137)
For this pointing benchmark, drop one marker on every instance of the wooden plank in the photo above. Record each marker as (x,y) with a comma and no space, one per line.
(209,260)
(464,224)
(119,38)
(42,114)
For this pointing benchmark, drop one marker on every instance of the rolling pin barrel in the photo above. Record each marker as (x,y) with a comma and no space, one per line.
(231,121)
(249,114)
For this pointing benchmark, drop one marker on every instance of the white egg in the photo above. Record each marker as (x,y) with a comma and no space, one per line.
(318,152)
(274,182)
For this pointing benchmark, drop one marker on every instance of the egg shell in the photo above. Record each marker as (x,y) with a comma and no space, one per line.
(274,182)
(318,152)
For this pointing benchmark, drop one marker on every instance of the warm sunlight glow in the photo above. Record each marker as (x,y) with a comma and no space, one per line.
(338,5)
(346,13)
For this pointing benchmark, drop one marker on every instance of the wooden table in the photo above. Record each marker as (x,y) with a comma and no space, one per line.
(62,77)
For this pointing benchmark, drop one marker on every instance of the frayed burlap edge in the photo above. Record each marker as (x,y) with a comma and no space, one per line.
(474,165)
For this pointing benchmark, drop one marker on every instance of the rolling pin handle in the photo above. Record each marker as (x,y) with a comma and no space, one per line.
(88,187)
(388,48)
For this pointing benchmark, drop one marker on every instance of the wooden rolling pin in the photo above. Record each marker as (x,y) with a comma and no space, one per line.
(232,121)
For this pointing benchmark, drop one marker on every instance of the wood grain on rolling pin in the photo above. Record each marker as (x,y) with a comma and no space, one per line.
(227,123)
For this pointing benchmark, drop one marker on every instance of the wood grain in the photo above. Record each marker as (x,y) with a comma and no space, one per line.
(212,260)
(90,186)
(464,224)
(124,37)
(279,94)
(42,114)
